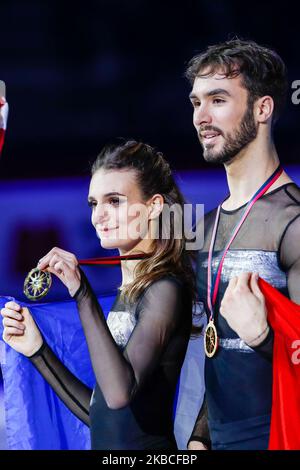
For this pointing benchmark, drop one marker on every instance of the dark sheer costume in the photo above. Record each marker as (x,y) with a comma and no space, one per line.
(236,411)
(136,356)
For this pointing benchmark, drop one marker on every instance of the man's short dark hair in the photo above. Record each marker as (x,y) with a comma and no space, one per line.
(263,72)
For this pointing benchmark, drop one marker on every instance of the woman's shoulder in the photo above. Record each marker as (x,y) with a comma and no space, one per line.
(167,281)
(163,291)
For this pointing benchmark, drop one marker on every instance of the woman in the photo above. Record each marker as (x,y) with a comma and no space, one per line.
(137,355)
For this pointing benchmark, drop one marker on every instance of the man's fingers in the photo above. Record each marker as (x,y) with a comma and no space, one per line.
(232,283)
(230,288)
(255,287)
(243,281)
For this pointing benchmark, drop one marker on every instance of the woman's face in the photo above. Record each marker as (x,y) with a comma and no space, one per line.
(115,198)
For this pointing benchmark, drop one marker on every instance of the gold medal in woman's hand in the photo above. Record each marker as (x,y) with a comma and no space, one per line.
(37,284)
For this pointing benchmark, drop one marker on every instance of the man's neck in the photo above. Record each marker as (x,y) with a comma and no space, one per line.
(248,172)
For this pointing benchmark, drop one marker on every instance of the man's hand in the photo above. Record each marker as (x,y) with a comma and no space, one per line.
(243,307)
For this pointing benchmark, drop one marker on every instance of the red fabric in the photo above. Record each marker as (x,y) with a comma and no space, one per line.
(3,121)
(284,318)
(2,134)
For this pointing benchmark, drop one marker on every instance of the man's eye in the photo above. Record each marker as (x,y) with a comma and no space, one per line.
(218,100)
(195,104)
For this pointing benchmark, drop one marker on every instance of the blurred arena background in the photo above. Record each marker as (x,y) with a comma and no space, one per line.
(79,74)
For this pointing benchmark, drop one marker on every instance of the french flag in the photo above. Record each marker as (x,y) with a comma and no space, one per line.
(3,121)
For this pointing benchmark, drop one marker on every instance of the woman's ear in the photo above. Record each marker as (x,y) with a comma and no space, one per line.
(155,206)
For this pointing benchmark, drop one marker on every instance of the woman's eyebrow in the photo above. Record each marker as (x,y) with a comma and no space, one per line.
(112,193)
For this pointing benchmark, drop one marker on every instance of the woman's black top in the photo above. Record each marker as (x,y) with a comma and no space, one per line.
(136,356)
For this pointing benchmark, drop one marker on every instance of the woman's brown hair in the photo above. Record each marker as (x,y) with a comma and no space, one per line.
(154,176)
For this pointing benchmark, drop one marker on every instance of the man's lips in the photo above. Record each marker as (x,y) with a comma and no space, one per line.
(209,137)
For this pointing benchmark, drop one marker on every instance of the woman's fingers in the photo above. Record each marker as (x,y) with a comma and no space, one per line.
(60,267)
(10,322)
(57,252)
(7,312)
(13,305)
(12,331)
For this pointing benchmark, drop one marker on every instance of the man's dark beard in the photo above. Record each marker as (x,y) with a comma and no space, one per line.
(234,142)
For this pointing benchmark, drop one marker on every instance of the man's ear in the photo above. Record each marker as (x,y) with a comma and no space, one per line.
(155,206)
(264,108)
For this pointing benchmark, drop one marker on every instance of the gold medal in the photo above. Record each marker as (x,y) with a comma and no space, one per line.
(37,284)
(210,339)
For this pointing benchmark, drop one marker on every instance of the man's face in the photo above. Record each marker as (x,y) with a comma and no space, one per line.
(222,116)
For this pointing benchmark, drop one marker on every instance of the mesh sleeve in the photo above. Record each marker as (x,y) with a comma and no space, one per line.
(290,257)
(289,251)
(120,374)
(201,431)
(265,348)
(74,393)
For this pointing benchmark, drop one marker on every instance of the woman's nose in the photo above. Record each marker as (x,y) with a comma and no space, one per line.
(100,213)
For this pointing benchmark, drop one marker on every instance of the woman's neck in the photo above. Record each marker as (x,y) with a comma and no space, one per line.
(128,266)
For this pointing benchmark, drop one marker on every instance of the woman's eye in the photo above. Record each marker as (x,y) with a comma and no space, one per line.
(114,201)
(92,204)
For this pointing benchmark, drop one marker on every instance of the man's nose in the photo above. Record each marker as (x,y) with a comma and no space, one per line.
(202,116)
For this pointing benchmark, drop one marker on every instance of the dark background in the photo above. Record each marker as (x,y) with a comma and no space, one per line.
(78,74)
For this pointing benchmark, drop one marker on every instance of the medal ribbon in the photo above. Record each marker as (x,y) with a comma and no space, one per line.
(111,260)
(212,287)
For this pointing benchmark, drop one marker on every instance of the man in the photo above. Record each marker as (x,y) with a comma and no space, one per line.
(239,89)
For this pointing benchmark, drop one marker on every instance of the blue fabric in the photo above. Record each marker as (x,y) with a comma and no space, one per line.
(36,419)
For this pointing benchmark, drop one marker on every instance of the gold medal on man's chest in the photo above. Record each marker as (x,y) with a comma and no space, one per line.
(210,339)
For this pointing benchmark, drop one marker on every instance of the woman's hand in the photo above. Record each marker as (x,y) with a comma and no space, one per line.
(196,445)
(20,330)
(65,266)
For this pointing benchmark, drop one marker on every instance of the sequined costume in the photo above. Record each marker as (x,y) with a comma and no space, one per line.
(239,379)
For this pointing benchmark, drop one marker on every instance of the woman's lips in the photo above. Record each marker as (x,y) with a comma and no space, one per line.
(106,230)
